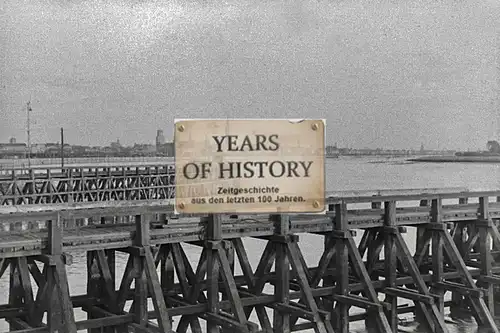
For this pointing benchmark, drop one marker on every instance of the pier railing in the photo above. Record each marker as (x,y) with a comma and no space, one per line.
(455,250)
(86,183)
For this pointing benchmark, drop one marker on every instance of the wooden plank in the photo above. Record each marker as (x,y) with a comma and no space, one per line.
(390,262)
(142,229)
(214,233)
(264,267)
(42,299)
(157,293)
(195,294)
(4,264)
(167,267)
(128,277)
(478,305)
(61,280)
(324,262)
(410,294)
(93,283)
(250,280)
(412,197)
(55,236)
(230,286)
(299,267)
(485,251)
(329,280)
(374,250)
(15,288)
(281,320)
(381,319)
(213,289)
(342,261)
(461,289)
(436,321)
(357,301)
(35,272)
(364,242)
(181,265)
(22,266)
(104,322)
(108,281)
(140,309)
(387,192)
(437,254)
(180,268)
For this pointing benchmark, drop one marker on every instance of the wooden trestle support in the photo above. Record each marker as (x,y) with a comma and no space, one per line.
(318,298)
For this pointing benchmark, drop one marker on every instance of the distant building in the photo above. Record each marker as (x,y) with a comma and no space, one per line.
(143,150)
(116,145)
(38,149)
(332,151)
(12,150)
(160,138)
(166,149)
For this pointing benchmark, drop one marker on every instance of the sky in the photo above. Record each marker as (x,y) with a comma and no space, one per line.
(393,73)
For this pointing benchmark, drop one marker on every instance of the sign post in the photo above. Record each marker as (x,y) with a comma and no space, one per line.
(249,166)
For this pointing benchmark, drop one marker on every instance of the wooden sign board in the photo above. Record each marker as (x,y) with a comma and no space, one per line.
(249,166)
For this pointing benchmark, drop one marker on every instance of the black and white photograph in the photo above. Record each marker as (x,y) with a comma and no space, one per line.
(250,166)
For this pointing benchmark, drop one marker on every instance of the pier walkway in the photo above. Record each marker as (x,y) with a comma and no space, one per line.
(86,183)
(366,262)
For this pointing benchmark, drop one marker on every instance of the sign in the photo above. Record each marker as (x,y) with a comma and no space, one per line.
(249,166)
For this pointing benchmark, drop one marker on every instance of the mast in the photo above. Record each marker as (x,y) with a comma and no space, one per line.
(497,104)
(28,111)
(62,147)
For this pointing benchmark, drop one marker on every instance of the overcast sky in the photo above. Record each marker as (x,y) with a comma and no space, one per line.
(383,73)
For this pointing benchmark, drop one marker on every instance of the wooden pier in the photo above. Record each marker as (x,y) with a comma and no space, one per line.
(86,183)
(366,263)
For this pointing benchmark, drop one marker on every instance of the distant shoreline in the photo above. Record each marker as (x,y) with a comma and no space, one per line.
(457,159)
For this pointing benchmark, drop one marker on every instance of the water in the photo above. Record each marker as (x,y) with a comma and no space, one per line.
(342,174)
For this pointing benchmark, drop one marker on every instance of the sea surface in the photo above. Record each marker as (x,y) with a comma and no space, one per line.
(343,174)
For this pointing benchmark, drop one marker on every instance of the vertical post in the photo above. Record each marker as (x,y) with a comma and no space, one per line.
(62,147)
(329,280)
(93,285)
(343,267)
(228,247)
(485,248)
(391,264)
(437,252)
(60,313)
(141,287)
(28,111)
(214,234)
(457,299)
(111,259)
(421,233)
(281,320)
(167,263)
(15,290)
